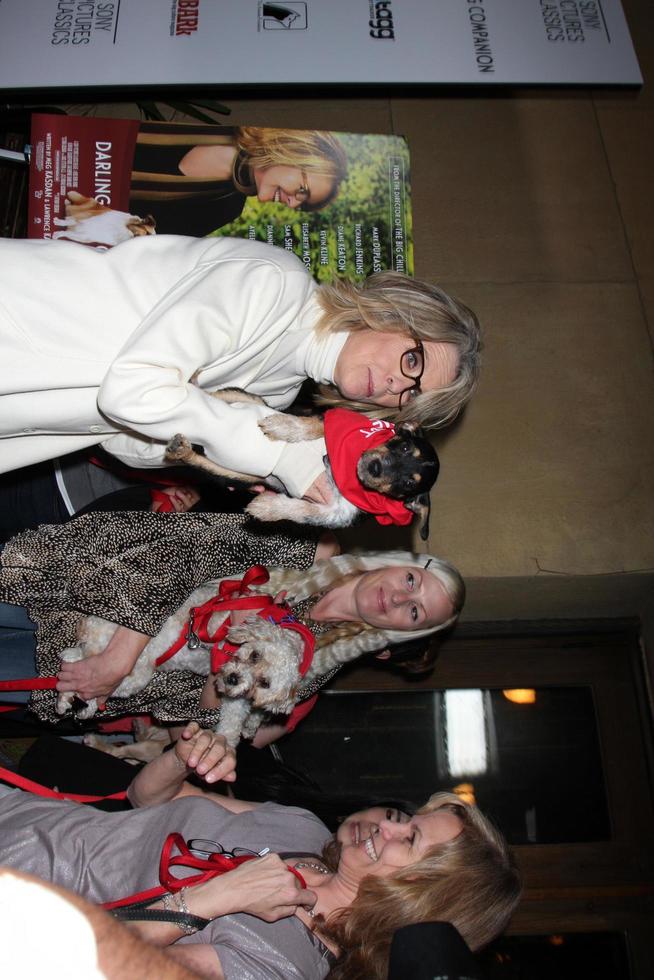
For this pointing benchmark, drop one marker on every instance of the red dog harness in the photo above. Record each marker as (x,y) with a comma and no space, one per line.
(234,594)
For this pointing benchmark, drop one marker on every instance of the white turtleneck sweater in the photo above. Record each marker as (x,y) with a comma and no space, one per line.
(126,344)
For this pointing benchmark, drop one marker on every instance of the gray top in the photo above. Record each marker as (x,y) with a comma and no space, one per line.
(106,856)
(83,482)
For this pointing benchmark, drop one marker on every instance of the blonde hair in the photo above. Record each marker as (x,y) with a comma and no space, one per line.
(348,641)
(311,150)
(390,302)
(471,881)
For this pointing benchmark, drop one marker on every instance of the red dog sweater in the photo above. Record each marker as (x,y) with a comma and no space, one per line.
(347,435)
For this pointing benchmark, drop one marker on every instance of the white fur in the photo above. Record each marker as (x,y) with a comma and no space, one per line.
(149,742)
(340,512)
(109,227)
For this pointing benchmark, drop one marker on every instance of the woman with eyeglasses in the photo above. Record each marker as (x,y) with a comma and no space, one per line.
(124,347)
(302,904)
(193,180)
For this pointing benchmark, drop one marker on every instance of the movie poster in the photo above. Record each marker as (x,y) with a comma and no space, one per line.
(340,201)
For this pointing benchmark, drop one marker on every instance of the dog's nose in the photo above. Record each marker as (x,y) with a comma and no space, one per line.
(375,468)
(232,680)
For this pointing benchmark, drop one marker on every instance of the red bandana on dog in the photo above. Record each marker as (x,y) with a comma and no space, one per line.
(347,435)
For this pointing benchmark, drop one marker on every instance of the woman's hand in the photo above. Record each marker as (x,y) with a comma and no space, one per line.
(263,887)
(206,753)
(97,677)
(182,498)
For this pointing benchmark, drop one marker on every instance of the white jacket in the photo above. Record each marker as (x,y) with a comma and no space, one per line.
(100,343)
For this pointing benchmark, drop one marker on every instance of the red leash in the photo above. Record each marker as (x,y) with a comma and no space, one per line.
(7,776)
(196,631)
(207,868)
(26,684)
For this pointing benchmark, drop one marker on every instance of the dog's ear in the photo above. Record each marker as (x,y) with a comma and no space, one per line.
(410,427)
(421,505)
(286,705)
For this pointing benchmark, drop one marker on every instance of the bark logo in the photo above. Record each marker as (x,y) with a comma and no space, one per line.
(185,17)
(381,20)
(282,16)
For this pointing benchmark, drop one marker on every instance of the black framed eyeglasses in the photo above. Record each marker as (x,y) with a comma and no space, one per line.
(412,366)
(204,848)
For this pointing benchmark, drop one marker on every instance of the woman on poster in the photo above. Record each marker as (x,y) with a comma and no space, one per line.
(195,179)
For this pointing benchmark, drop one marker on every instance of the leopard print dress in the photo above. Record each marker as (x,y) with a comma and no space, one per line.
(136,569)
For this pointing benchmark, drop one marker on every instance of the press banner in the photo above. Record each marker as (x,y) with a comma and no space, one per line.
(116,43)
(101,181)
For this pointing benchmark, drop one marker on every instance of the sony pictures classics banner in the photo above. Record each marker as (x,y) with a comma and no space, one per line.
(115,43)
(101,181)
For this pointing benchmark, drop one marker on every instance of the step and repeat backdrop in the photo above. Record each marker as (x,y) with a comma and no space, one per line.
(114,43)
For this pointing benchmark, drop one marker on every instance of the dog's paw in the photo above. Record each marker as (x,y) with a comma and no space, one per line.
(269,506)
(64,703)
(94,741)
(83,714)
(252,724)
(178,449)
(232,717)
(71,655)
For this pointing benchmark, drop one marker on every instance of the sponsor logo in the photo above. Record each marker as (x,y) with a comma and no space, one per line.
(381,20)
(185,16)
(282,16)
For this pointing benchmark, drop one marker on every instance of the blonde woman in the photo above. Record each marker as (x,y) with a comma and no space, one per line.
(124,347)
(135,569)
(193,180)
(446,863)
